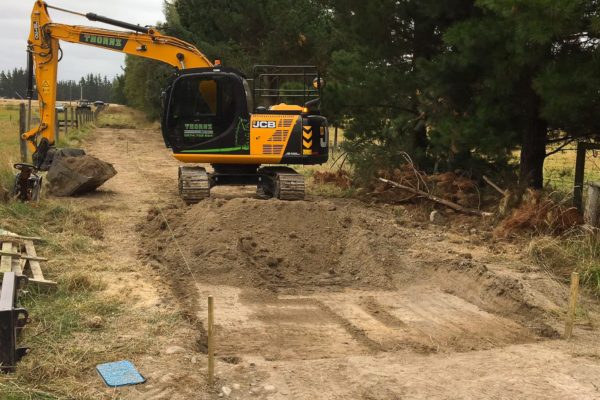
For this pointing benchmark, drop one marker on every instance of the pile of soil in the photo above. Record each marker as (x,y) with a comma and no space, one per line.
(273,244)
(70,176)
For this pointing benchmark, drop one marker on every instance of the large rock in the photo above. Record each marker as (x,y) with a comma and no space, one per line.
(69,176)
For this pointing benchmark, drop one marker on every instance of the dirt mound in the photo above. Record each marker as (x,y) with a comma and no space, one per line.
(70,176)
(270,244)
(341,262)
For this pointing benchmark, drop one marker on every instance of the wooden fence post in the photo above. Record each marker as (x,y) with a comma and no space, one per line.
(22,129)
(335,138)
(56,127)
(211,340)
(66,121)
(579,175)
(574,293)
(592,206)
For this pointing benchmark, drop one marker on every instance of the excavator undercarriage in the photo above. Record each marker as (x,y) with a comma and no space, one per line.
(282,183)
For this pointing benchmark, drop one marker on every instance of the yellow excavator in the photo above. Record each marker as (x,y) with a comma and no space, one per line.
(211,114)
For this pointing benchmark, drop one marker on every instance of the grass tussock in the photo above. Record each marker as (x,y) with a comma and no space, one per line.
(577,250)
(63,226)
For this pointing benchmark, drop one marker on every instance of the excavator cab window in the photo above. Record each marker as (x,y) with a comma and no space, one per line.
(203,108)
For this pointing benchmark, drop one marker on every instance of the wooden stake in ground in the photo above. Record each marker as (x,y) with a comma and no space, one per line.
(572,305)
(211,341)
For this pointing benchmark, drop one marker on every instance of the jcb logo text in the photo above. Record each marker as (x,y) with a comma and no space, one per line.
(264,124)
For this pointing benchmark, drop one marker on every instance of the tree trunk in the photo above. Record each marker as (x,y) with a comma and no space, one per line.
(424,47)
(533,152)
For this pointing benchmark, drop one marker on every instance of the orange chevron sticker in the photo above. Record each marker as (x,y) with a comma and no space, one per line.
(307,132)
(307,143)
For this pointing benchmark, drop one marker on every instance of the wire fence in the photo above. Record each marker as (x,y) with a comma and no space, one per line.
(560,170)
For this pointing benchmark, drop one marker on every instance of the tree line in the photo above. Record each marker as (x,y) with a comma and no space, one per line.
(13,84)
(457,84)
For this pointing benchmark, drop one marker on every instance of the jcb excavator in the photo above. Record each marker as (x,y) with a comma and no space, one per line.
(209,114)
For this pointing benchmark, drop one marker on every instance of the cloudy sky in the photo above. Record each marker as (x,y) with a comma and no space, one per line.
(77,60)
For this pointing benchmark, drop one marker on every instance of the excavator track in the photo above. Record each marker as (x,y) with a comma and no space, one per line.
(287,183)
(193,184)
(291,186)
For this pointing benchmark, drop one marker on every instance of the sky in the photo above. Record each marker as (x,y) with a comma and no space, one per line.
(78,60)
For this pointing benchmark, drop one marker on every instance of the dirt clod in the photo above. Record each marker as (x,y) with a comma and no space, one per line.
(96,322)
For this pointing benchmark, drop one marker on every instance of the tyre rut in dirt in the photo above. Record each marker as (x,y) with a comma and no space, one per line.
(193,184)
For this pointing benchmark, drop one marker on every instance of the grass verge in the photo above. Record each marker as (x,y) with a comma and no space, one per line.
(577,250)
(120,117)
(57,316)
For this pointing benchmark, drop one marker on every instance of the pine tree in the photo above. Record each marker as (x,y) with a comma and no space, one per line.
(376,77)
(518,75)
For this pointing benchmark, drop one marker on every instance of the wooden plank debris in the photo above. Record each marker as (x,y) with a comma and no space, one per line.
(23,256)
(18,254)
(34,265)
(6,235)
(6,261)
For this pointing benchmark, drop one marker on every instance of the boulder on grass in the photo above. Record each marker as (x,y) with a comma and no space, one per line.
(71,176)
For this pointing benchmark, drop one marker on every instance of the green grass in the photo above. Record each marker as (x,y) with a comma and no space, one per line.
(584,247)
(559,169)
(119,117)
(9,141)
(59,318)
(65,337)
(577,250)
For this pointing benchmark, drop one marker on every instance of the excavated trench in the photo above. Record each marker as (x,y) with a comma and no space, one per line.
(316,279)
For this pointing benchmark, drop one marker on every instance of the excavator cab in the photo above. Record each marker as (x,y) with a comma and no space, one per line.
(206,110)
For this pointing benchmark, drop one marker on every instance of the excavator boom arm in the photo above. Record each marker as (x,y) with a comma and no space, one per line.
(44,48)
